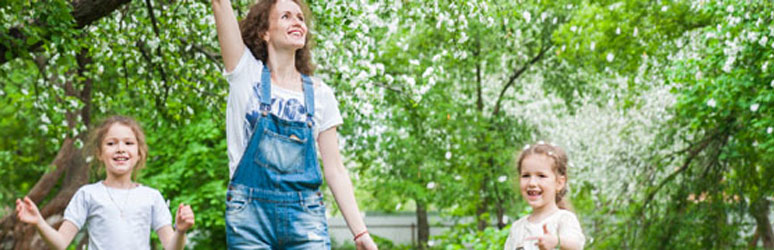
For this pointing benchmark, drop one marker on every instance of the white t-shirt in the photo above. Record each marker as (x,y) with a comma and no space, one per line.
(562,221)
(99,208)
(244,103)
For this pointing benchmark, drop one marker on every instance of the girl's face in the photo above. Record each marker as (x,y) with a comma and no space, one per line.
(287,27)
(119,150)
(538,182)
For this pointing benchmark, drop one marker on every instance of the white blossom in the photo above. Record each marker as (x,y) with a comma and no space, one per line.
(527,16)
(448,155)
(592,46)
(430,185)
(502,178)
(610,57)
(711,103)
(769,130)
(754,107)
(44,119)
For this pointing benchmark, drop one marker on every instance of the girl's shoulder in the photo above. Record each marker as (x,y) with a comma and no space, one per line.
(91,187)
(520,222)
(565,216)
(147,190)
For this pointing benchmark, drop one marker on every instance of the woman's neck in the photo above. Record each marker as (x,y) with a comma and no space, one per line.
(283,67)
(121,182)
(540,213)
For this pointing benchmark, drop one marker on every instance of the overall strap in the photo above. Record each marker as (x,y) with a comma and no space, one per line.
(308,99)
(265,90)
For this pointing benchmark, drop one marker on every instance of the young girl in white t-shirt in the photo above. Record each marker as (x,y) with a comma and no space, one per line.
(542,180)
(117,212)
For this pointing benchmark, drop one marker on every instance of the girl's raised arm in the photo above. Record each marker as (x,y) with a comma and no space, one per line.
(231,45)
(28,212)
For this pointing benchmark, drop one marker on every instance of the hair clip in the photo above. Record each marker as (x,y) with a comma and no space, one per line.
(551,153)
(526,147)
(541,142)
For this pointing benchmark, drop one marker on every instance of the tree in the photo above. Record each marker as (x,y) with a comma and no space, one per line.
(714,57)
(139,62)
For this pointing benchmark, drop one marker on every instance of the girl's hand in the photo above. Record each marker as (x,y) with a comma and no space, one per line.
(546,241)
(184,219)
(365,243)
(27,211)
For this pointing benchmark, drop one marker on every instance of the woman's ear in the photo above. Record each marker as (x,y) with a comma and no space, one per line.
(265,37)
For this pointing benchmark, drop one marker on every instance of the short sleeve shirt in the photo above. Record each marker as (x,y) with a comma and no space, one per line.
(118,218)
(563,223)
(244,102)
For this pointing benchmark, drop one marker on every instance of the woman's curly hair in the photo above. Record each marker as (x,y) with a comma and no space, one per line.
(255,25)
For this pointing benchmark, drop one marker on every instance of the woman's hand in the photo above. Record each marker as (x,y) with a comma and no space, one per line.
(546,241)
(28,212)
(365,243)
(184,219)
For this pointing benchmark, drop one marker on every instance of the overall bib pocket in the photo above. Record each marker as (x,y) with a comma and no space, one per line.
(236,201)
(280,153)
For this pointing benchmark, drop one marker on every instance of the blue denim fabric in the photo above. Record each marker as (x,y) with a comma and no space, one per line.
(273,200)
(264,219)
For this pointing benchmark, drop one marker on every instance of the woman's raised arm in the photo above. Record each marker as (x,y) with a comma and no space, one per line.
(229,36)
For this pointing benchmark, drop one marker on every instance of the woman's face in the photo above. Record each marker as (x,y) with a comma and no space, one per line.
(287,27)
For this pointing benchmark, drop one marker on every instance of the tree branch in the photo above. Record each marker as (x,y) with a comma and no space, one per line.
(213,56)
(84,12)
(515,75)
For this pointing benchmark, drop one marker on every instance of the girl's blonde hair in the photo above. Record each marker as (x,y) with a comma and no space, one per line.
(94,147)
(559,166)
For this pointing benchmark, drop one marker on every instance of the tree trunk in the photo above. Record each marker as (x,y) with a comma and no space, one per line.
(70,170)
(73,172)
(500,215)
(423,227)
(760,211)
(482,207)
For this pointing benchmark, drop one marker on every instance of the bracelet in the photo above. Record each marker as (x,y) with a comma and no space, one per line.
(359,235)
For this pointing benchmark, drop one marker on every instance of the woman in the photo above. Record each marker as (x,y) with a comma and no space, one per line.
(273,199)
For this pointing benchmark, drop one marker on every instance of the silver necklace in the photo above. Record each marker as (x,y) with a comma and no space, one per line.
(126,201)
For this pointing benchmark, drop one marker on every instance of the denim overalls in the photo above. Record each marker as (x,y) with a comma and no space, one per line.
(273,199)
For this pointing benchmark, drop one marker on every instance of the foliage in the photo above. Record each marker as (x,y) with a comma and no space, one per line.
(665,107)
(467,237)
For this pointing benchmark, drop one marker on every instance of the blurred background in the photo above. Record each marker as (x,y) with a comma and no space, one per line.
(666,109)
